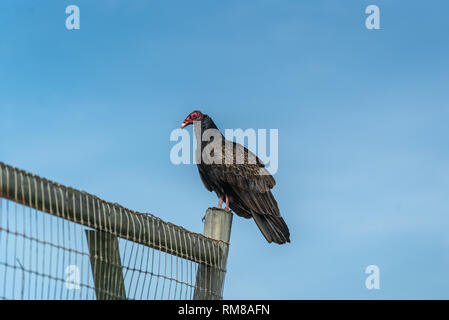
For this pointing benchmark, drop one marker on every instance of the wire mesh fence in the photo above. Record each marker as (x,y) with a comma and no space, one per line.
(60,243)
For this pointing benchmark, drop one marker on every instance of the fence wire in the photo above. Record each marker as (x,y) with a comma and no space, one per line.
(61,243)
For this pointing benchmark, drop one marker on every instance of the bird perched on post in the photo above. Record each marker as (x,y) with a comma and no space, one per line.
(238,177)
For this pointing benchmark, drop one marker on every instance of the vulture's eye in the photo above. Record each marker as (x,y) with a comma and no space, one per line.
(193,116)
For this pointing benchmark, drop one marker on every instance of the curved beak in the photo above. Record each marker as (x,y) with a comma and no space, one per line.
(185,123)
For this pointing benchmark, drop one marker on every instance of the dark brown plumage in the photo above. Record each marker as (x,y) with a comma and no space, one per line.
(234,173)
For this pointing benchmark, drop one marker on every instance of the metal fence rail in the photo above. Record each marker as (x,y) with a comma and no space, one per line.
(45,247)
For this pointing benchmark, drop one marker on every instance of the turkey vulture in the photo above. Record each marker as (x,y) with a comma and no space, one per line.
(238,177)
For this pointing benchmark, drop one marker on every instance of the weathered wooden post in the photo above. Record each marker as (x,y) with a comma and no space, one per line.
(106,265)
(210,280)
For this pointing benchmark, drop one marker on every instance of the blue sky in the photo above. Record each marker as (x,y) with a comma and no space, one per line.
(362,116)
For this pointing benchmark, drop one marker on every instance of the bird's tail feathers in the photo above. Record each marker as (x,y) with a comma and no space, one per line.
(274,229)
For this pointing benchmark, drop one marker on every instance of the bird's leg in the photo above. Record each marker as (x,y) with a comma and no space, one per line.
(220,204)
(227,203)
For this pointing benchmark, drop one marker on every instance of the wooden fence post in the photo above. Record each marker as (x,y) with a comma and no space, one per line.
(209,280)
(106,265)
